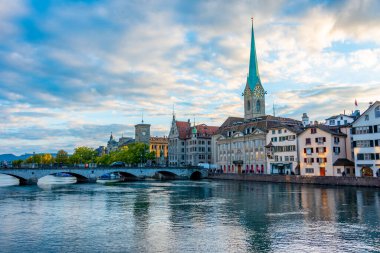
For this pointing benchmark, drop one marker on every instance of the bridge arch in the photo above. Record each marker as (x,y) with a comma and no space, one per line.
(80,178)
(165,175)
(196,175)
(21,179)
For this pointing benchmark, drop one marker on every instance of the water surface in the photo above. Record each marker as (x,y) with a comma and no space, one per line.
(188,216)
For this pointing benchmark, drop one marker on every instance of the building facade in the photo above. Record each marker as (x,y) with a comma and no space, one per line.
(159,145)
(319,148)
(189,145)
(366,142)
(282,150)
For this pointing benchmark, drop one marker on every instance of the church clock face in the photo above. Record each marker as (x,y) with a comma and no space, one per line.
(259,91)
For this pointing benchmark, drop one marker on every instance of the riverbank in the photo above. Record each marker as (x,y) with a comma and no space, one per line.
(336,181)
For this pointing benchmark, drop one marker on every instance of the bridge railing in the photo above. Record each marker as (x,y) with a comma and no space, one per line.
(94,166)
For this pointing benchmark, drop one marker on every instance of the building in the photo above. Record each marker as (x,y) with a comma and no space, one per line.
(112,144)
(254,93)
(323,152)
(142,133)
(282,149)
(339,120)
(189,145)
(366,142)
(240,146)
(159,145)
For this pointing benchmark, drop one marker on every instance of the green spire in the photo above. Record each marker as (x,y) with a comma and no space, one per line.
(253,76)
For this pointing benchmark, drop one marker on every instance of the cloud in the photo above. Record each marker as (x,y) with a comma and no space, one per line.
(81,69)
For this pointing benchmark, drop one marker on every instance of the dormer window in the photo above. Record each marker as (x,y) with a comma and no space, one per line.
(313,130)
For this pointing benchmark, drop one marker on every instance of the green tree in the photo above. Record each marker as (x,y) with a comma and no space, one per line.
(17,163)
(138,153)
(62,157)
(83,155)
(103,160)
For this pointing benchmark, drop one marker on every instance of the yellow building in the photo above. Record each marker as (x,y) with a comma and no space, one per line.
(160,146)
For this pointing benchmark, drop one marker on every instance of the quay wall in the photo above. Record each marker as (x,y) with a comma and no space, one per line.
(327,180)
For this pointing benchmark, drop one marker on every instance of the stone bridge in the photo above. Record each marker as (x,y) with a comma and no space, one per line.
(31,175)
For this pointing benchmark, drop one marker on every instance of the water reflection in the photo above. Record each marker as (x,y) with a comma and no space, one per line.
(178,216)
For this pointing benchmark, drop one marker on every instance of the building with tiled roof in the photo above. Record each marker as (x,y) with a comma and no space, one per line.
(320,146)
(189,145)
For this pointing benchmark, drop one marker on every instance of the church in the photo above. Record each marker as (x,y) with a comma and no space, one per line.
(239,145)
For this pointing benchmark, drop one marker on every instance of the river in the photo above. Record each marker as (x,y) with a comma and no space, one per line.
(187,216)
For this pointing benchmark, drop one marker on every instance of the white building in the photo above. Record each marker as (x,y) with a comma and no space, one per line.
(339,120)
(366,142)
(323,152)
(282,150)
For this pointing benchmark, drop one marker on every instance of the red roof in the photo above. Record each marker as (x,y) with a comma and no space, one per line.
(206,130)
(183,128)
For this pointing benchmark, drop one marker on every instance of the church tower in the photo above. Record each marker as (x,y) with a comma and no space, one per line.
(254,93)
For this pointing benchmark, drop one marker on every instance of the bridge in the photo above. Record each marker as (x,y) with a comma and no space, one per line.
(89,175)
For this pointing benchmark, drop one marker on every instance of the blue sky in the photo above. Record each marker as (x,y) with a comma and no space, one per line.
(73,71)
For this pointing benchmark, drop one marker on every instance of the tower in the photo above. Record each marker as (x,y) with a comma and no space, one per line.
(142,132)
(254,93)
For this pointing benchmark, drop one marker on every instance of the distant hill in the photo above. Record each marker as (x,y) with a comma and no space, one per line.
(12,157)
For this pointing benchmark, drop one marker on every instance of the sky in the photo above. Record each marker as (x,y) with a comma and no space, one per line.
(72,72)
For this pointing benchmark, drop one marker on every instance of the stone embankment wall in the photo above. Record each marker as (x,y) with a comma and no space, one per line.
(337,181)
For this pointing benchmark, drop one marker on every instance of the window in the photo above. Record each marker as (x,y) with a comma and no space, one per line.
(308,151)
(362,130)
(258,106)
(366,117)
(336,140)
(377,112)
(286,158)
(332,122)
(291,158)
(313,130)
(363,144)
(273,131)
(320,140)
(309,170)
(308,141)
(279,131)
(248,105)
(366,156)
(336,150)
(308,160)
(338,171)
(321,150)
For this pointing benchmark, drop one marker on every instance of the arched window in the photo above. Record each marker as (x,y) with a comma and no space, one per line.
(377,111)
(248,105)
(258,106)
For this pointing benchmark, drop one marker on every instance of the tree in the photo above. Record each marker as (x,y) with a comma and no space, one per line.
(17,163)
(83,155)
(62,157)
(47,159)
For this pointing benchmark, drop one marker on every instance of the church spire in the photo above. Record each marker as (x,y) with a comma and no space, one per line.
(253,77)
